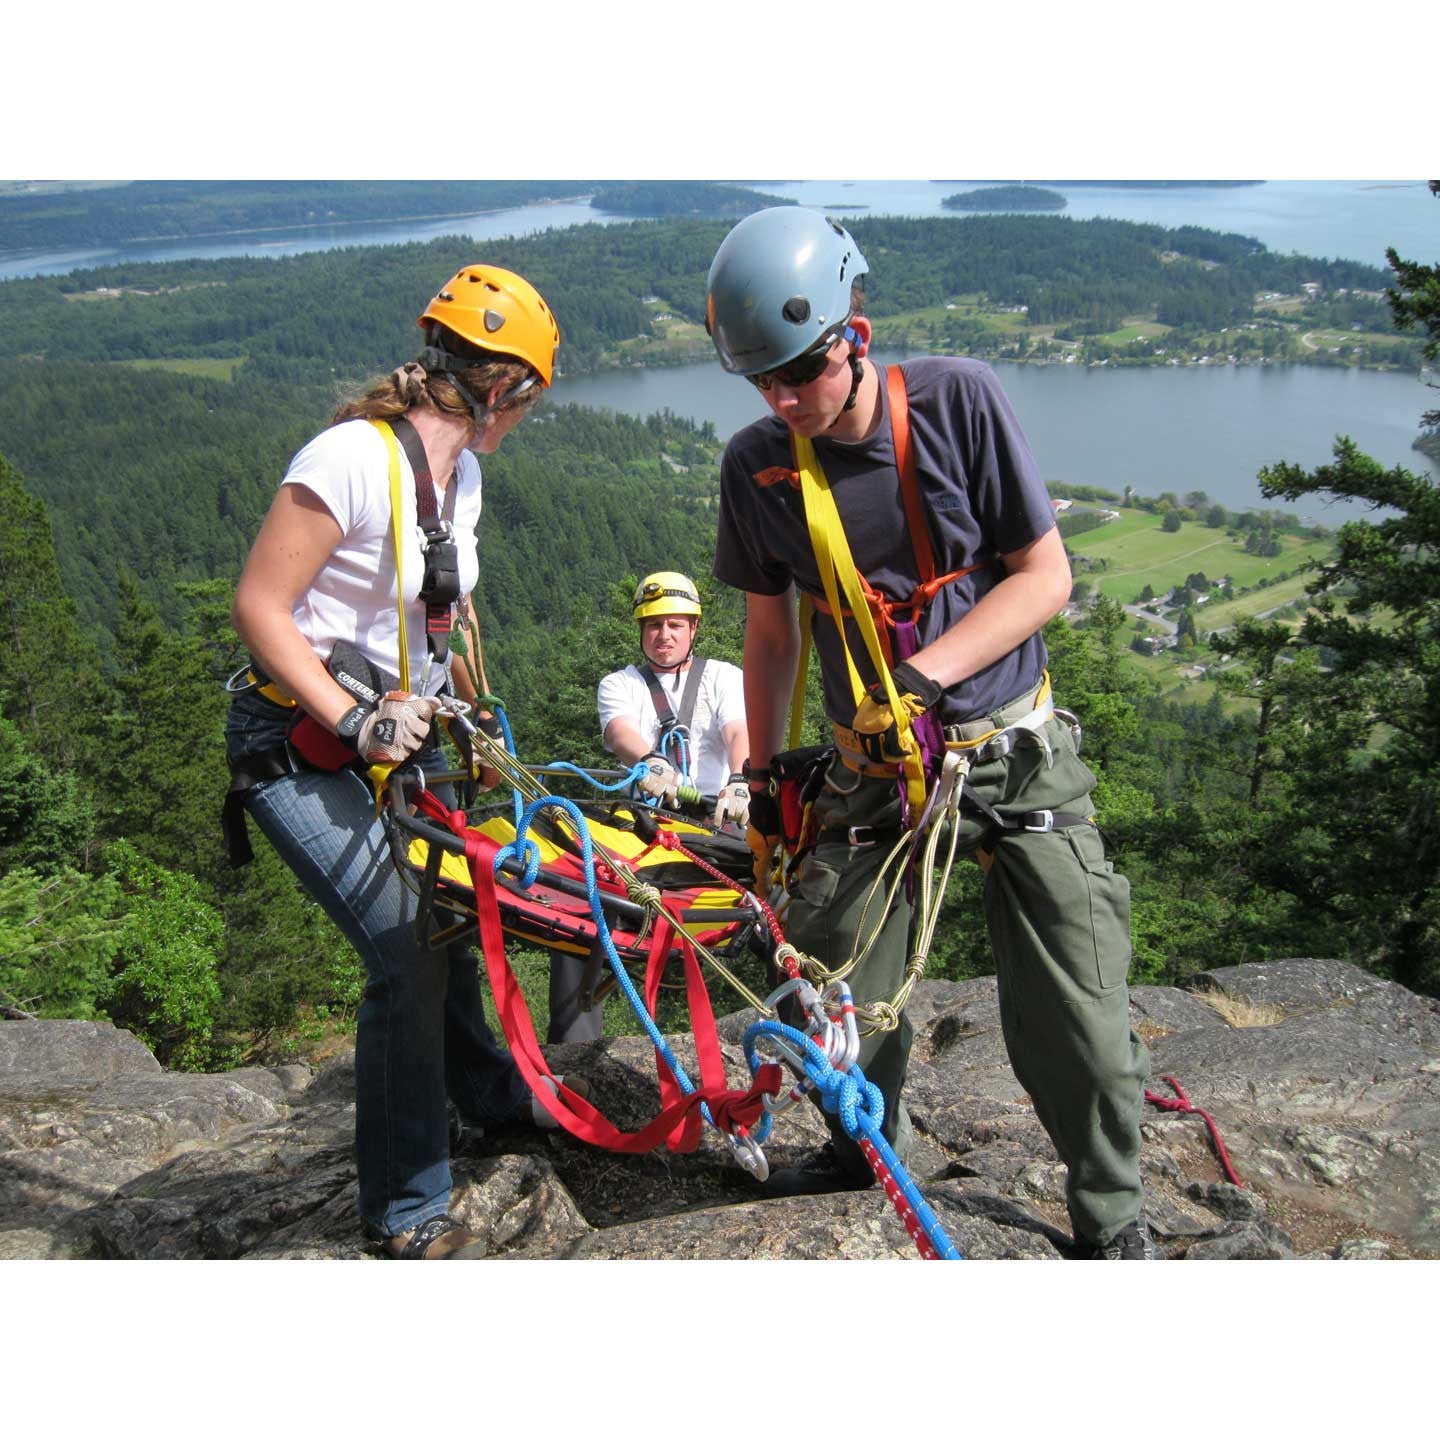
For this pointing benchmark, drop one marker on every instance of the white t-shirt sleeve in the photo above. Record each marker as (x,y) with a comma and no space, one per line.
(337,466)
(729,695)
(622,695)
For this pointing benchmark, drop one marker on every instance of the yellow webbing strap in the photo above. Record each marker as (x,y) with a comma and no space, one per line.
(379,774)
(802,673)
(396,510)
(832,555)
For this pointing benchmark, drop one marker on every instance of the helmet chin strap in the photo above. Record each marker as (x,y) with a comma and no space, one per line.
(857,371)
(436,358)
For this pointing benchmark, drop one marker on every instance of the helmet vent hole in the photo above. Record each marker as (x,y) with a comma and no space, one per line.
(493,321)
(796,310)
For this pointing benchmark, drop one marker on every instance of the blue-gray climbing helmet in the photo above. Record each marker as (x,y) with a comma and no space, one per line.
(779,285)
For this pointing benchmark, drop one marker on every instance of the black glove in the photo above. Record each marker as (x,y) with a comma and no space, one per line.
(763,836)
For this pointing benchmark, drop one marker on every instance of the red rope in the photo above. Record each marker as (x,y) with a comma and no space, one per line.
(896,1196)
(668,840)
(1184,1107)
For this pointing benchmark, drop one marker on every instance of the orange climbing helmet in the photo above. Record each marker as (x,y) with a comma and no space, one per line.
(499,311)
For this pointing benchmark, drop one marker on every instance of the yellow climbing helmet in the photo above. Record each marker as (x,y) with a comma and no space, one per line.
(499,311)
(666,592)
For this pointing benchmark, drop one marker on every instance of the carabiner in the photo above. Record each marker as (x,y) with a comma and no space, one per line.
(748,1155)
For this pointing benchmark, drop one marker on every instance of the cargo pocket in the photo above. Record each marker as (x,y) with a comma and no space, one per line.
(1109,894)
(808,918)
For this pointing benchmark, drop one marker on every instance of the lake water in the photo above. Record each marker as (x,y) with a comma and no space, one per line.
(1348,219)
(269,244)
(1205,428)
(1185,428)
(1335,219)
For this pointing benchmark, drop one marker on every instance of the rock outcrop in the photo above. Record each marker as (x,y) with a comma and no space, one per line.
(1324,1081)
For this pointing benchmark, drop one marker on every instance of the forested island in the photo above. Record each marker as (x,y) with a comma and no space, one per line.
(169,209)
(1006,197)
(147,412)
(680,197)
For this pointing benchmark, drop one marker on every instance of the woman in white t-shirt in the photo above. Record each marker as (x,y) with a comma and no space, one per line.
(322,574)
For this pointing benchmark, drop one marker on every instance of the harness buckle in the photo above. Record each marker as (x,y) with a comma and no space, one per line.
(996,749)
(1046,818)
(861,837)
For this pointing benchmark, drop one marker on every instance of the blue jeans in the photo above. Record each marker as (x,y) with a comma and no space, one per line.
(421,1033)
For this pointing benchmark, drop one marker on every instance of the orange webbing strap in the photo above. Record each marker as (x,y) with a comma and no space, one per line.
(905,464)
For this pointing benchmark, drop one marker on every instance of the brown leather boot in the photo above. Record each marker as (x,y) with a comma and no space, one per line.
(439,1238)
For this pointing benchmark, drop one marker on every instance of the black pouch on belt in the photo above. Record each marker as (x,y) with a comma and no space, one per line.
(796,776)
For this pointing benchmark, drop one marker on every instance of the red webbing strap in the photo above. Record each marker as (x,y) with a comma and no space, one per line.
(670,1091)
(730,1109)
(1184,1107)
(905,464)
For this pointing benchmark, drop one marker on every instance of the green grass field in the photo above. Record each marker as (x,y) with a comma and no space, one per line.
(207,367)
(1136,330)
(1139,553)
(1272,597)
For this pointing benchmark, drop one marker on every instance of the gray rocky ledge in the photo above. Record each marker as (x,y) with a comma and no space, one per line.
(1330,1113)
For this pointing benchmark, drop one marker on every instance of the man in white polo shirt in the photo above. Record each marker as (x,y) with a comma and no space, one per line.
(682,714)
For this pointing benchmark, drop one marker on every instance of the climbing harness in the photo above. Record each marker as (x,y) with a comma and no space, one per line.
(937,760)
(308,743)
(672,740)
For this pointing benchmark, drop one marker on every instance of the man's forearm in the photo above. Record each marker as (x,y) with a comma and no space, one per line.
(1025,601)
(772,652)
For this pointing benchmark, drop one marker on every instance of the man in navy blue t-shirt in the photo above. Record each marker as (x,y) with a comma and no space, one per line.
(966,664)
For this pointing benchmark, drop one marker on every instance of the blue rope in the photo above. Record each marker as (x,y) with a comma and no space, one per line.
(602,930)
(676,742)
(861,1111)
(629,778)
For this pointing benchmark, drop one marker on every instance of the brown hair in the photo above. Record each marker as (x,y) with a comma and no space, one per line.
(857,296)
(412,384)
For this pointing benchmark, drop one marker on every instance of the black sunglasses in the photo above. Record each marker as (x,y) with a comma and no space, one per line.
(803,368)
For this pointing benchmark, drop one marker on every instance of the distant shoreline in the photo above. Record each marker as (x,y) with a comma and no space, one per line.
(274,229)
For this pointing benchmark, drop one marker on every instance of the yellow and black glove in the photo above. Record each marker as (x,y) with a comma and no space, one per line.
(762,835)
(874,725)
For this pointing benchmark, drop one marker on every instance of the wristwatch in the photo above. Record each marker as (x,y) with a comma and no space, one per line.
(756,774)
(347,727)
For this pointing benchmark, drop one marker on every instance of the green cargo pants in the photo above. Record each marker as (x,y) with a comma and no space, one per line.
(1059,922)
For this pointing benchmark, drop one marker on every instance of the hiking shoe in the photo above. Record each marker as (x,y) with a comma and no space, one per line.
(439,1238)
(1131,1243)
(540,1117)
(825,1174)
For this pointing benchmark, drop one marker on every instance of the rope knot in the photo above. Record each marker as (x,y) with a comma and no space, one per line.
(638,892)
(882,1015)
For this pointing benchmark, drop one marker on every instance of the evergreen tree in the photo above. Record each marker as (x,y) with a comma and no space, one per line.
(46,677)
